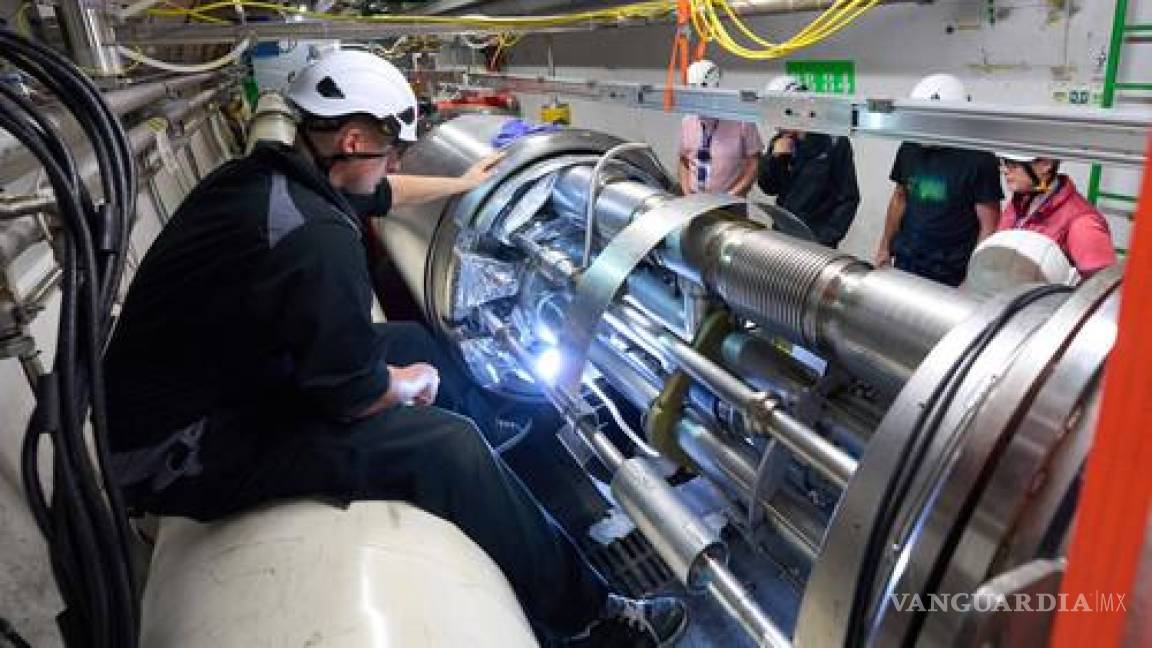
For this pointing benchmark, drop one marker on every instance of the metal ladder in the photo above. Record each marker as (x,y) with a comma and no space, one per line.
(1123,33)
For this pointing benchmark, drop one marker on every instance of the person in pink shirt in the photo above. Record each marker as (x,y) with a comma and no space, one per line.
(1047,201)
(716,155)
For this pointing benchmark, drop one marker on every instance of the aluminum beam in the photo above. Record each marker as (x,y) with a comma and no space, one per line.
(1115,137)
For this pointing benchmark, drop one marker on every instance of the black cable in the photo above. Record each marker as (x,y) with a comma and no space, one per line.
(932,413)
(88,535)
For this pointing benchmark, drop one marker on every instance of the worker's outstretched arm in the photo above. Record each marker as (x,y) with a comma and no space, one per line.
(414,190)
(895,215)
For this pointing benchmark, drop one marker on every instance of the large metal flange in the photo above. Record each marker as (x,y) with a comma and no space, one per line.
(1034,406)
(825,613)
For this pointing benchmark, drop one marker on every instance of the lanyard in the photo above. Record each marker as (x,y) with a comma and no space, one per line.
(704,154)
(1035,205)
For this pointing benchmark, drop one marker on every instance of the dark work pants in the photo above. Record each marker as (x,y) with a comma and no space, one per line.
(427,456)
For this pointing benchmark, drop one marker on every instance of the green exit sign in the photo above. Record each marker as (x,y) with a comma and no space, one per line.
(829,77)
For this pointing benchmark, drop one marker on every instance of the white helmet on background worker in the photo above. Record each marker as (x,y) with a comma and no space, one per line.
(1016,156)
(704,74)
(940,87)
(348,82)
(1028,162)
(785,83)
(1016,257)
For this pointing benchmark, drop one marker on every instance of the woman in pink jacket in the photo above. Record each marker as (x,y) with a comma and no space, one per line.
(1046,201)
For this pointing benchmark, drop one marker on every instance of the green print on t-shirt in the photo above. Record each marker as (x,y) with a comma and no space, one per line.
(928,189)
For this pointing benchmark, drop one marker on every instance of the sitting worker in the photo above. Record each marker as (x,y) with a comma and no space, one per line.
(1047,201)
(946,200)
(716,155)
(812,175)
(246,368)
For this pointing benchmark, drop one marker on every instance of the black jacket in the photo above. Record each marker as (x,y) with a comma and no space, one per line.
(817,184)
(255,295)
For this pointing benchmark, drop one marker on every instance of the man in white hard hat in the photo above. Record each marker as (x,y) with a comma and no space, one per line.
(1047,202)
(812,175)
(716,155)
(246,367)
(945,201)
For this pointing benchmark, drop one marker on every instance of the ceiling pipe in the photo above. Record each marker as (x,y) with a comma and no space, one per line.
(517,7)
(164,34)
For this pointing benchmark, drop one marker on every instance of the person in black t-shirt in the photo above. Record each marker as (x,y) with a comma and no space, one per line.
(246,368)
(946,201)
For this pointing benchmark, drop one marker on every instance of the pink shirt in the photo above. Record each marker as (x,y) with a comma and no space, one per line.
(1070,220)
(732,144)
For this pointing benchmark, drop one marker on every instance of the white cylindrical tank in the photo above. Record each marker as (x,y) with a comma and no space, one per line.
(1016,257)
(304,573)
(272,121)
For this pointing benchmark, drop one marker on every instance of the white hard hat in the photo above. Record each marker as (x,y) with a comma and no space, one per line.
(349,82)
(1016,156)
(704,74)
(1016,257)
(940,87)
(785,83)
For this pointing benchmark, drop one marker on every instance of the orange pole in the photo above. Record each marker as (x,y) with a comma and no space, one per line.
(1117,492)
(678,63)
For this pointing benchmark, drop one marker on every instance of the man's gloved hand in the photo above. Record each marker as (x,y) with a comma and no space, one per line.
(414,384)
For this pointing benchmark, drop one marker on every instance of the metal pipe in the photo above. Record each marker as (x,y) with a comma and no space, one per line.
(728,463)
(89,37)
(594,191)
(879,323)
(12,207)
(168,34)
(695,307)
(679,536)
(758,408)
(765,366)
(616,204)
(732,466)
(654,296)
(732,595)
(16,161)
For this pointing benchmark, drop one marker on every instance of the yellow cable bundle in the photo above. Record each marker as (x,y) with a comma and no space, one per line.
(706,15)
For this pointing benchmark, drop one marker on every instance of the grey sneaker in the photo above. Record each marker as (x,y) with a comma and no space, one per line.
(654,622)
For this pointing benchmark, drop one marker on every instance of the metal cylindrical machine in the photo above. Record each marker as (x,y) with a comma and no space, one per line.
(897,435)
